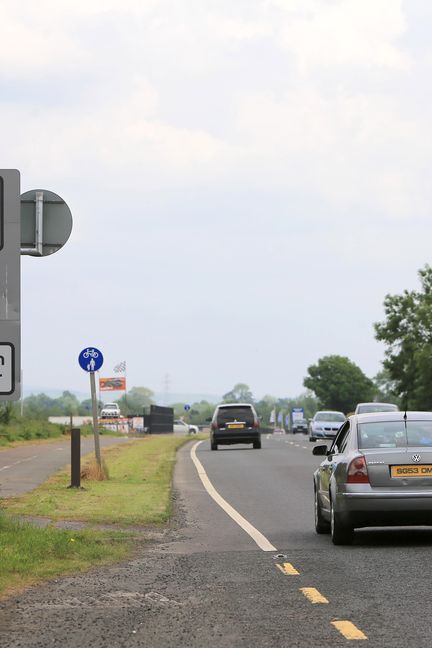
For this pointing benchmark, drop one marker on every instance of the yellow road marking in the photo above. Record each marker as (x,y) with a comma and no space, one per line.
(349,630)
(288,569)
(313,595)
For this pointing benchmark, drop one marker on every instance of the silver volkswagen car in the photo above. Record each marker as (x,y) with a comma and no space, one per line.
(377,472)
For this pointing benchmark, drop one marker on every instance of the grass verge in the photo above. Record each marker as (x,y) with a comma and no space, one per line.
(138,491)
(29,554)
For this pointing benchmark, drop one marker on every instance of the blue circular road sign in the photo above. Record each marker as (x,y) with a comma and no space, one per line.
(187,408)
(90,359)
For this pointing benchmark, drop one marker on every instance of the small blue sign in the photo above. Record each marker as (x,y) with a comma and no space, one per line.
(186,408)
(90,359)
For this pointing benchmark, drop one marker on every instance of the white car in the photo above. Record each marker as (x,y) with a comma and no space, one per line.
(181,427)
(372,408)
(110,410)
(325,425)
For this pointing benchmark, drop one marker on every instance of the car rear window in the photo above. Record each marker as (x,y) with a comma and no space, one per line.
(241,414)
(394,434)
(368,409)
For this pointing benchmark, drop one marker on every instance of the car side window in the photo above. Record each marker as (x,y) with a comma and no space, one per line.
(341,440)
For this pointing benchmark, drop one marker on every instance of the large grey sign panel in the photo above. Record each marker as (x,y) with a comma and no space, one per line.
(10,263)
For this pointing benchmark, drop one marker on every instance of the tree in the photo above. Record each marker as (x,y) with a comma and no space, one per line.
(86,407)
(240,393)
(338,383)
(407,334)
(386,388)
(136,399)
(42,406)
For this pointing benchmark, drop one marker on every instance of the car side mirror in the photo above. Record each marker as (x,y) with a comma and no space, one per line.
(208,420)
(320,450)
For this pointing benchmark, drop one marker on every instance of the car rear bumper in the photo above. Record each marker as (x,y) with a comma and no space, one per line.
(385,508)
(227,437)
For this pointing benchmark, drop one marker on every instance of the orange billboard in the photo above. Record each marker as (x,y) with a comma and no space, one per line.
(112,384)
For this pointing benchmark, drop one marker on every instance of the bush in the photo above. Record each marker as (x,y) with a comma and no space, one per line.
(27,429)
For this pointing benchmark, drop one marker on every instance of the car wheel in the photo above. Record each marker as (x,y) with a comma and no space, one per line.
(213,445)
(321,525)
(312,439)
(341,534)
(257,445)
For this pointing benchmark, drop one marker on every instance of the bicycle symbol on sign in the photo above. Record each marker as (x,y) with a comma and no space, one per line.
(90,353)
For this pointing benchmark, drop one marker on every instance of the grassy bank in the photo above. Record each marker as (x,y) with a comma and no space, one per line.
(29,554)
(138,490)
(21,430)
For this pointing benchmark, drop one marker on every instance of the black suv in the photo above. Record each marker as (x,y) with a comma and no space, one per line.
(235,423)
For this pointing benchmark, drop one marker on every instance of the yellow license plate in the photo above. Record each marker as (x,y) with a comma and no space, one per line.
(424,470)
(235,426)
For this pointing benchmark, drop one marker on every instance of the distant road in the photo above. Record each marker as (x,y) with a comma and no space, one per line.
(24,468)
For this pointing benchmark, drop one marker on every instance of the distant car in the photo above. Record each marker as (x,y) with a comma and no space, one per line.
(371,408)
(110,410)
(299,425)
(325,424)
(377,472)
(235,423)
(181,427)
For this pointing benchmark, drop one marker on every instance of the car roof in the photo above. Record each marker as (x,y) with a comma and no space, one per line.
(376,403)
(372,417)
(328,412)
(235,405)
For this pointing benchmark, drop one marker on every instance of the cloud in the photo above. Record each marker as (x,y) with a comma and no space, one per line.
(343,33)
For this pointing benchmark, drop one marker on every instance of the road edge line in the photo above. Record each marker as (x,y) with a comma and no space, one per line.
(256,535)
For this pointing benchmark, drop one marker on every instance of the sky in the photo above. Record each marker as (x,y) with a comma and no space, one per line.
(247,179)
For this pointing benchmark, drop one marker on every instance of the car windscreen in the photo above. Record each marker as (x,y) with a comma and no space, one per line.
(230,414)
(331,417)
(370,409)
(394,434)
(299,421)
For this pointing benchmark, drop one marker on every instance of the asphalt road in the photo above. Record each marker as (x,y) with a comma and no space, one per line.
(207,582)
(25,467)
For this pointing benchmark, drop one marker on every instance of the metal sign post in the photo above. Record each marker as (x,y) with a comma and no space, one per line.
(95,418)
(10,266)
(91,359)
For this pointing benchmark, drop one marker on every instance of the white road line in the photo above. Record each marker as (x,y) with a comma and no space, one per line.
(256,535)
(304,447)
(18,462)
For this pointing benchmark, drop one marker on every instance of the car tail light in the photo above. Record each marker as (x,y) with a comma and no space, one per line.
(256,424)
(357,471)
(214,426)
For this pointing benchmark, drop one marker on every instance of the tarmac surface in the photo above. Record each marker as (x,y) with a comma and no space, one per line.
(205,581)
